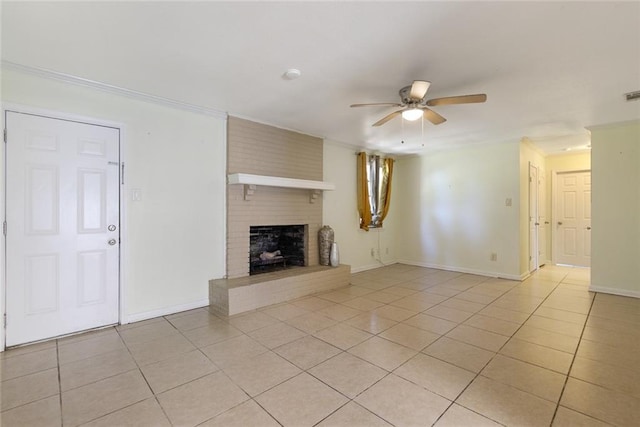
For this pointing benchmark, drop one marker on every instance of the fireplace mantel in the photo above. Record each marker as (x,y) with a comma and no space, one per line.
(251,181)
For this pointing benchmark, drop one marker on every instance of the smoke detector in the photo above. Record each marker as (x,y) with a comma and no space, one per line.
(291,74)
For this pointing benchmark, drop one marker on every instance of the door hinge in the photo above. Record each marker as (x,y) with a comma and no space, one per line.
(4,228)
(122,173)
(4,321)
(5,135)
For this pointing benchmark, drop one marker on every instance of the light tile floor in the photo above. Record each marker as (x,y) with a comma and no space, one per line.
(401,346)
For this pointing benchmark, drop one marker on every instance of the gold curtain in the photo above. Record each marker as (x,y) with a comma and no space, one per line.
(364,207)
(387,174)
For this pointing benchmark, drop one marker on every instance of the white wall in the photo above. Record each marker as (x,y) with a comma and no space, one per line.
(174,239)
(615,173)
(340,212)
(453,211)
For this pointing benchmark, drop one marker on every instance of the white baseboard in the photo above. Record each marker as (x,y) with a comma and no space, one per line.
(372,266)
(614,291)
(467,270)
(164,311)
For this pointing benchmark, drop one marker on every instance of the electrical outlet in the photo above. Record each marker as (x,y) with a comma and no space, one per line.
(493,257)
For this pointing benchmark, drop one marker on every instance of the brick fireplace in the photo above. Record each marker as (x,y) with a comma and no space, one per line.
(254,149)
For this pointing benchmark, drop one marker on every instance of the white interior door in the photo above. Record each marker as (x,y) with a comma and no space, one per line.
(63,228)
(573,222)
(533,218)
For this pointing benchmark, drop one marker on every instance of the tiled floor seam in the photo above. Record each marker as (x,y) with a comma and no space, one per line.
(566,380)
(455,401)
(59,382)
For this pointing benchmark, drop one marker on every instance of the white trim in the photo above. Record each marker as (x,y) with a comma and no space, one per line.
(164,311)
(276,181)
(615,291)
(105,87)
(517,277)
(25,109)
(372,266)
(123,227)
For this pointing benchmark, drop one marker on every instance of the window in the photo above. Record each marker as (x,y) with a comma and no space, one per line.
(374,189)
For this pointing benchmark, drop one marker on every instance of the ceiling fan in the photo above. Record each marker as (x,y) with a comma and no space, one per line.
(415,106)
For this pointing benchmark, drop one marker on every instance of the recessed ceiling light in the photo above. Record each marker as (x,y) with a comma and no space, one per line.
(291,74)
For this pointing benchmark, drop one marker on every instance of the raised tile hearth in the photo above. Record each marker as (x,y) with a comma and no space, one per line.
(233,296)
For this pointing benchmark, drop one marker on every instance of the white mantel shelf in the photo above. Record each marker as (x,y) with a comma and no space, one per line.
(251,181)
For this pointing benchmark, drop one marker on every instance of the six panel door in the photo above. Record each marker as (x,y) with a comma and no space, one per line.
(63,229)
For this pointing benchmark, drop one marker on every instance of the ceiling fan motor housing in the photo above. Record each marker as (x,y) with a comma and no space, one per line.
(406,99)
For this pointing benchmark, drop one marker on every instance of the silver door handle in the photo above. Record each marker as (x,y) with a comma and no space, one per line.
(112,242)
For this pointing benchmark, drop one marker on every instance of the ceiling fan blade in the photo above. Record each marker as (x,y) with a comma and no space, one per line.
(463,99)
(419,89)
(386,118)
(432,116)
(392,104)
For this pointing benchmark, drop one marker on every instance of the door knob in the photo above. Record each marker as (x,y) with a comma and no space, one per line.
(588,228)
(112,242)
(111,227)
(559,222)
(537,223)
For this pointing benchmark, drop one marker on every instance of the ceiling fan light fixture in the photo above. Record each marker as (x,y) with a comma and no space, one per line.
(412,114)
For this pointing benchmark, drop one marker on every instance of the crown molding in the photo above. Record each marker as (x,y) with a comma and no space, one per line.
(129,93)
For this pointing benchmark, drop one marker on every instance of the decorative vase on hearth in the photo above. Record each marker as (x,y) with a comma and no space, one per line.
(325,239)
(335,255)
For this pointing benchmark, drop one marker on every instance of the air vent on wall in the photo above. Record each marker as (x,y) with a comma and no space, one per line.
(632,96)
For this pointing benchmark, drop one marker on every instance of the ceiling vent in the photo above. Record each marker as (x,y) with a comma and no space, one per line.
(632,96)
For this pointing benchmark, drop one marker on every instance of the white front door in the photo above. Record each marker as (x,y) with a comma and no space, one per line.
(63,227)
(573,219)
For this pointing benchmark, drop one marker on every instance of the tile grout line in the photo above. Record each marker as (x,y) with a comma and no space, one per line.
(59,382)
(575,354)
(454,401)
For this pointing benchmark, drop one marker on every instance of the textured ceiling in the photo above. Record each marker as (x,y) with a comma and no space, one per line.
(549,69)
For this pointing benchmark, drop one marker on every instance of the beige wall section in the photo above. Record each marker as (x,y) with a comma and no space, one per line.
(260,149)
(173,243)
(615,171)
(453,210)
(340,212)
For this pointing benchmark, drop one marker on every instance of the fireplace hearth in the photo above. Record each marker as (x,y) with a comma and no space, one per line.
(277,247)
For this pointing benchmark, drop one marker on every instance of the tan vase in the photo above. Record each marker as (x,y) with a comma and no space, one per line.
(325,239)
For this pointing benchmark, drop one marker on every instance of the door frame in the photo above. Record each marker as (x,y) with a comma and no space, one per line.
(534,229)
(60,115)
(554,209)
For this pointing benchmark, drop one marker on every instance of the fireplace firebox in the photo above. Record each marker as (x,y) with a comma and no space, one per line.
(277,247)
